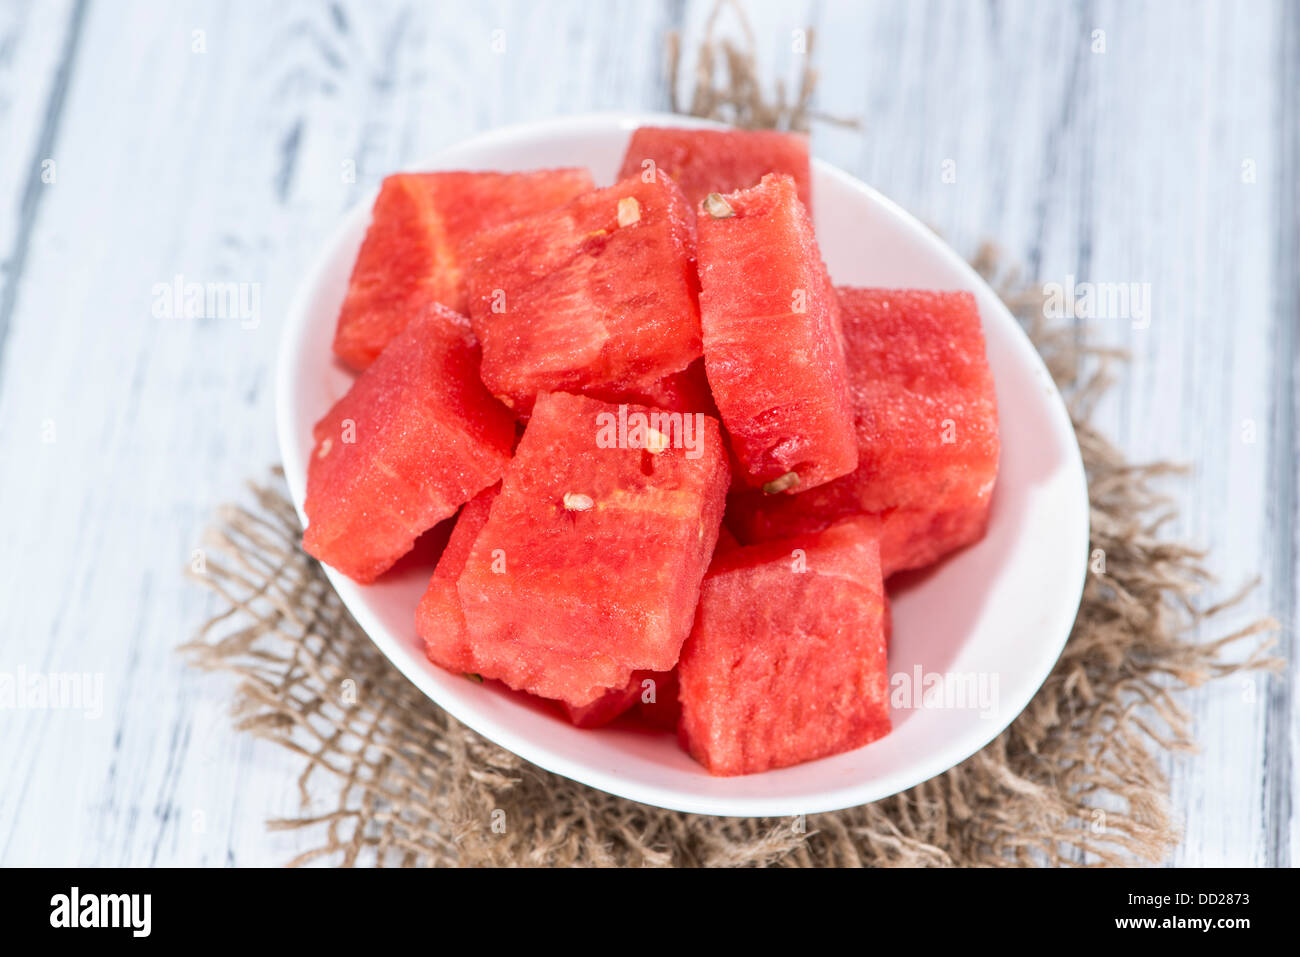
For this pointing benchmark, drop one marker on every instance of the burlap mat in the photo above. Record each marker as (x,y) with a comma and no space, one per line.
(1075,779)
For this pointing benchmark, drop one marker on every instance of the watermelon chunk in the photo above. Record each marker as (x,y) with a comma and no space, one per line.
(589,566)
(718,161)
(663,709)
(411,256)
(415,437)
(685,391)
(726,541)
(787,661)
(909,538)
(597,296)
(773,349)
(658,706)
(616,701)
(439,621)
(926,419)
(917,537)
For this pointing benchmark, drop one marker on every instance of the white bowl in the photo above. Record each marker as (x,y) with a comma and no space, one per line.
(998,612)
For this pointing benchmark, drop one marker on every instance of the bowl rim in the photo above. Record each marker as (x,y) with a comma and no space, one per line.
(526,746)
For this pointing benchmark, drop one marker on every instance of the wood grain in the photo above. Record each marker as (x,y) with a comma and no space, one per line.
(224,154)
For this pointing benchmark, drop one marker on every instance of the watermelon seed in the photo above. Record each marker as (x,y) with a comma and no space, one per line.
(655,441)
(717,207)
(478,679)
(577,502)
(787,481)
(325,446)
(629,211)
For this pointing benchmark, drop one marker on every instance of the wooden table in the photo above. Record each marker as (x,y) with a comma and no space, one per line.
(144,141)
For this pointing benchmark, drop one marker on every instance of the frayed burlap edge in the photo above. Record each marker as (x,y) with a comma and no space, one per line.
(1075,779)
(726,84)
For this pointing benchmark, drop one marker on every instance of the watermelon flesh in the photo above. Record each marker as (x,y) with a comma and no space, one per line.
(598,551)
(411,256)
(914,537)
(718,161)
(685,391)
(616,701)
(910,538)
(773,349)
(598,296)
(439,621)
(664,710)
(726,541)
(658,706)
(926,420)
(787,661)
(414,438)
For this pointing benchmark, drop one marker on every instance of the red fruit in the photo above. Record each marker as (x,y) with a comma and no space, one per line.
(598,551)
(411,256)
(665,709)
(415,437)
(439,621)
(916,537)
(926,418)
(773,349)
(909,537)
(726,541)
(718,161)
(925,398)
(685,391)
(598,296)
(613,702)
(787,659)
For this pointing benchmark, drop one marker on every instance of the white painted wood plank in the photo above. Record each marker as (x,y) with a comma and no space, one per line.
(226,165)
(159,174)
(1283,549)
(37,45)
(32,44)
